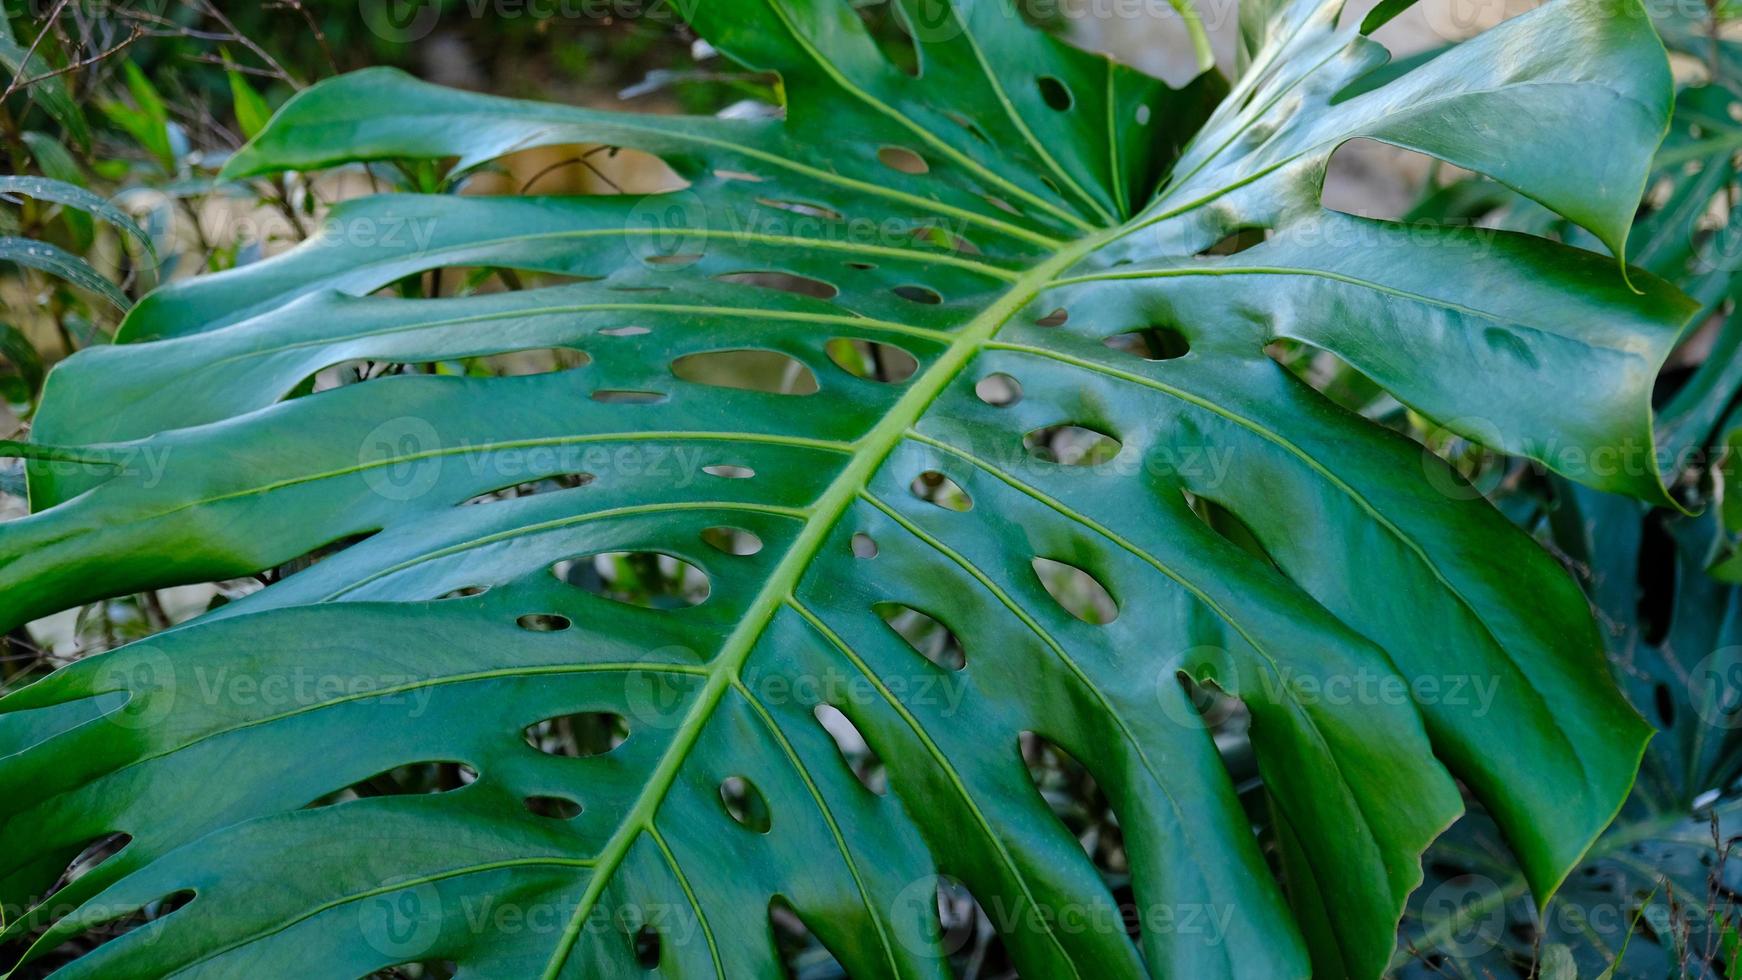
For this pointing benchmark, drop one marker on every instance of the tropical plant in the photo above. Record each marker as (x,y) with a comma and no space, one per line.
(1655,897)
(1022,466)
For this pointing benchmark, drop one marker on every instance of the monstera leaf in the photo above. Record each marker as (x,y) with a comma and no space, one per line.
(1012,287)
(1654,897)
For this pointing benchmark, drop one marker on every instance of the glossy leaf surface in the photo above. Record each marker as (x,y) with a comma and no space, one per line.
(984,225)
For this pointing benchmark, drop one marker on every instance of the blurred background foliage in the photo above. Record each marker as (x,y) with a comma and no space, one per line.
(119,114)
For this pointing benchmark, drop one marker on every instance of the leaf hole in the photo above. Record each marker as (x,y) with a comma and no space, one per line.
(580,735)
(1071,445)
(964,924)
(929,638)
(732,540)
(621,396)
(464,593)
(418,970)
(413,779)
(528,488)
(1076,591)
(802,955)
(318,555)
(924,295)
(871,360)
(945,238)
(903,159)
(728,471)
(1077,800)
(649,579)
(89,857)
(1337,380)
(1231,528)
(801,208)
(1151,343)
(1656,573)
(1054,93)
(1664,701)
(971,126)
(1003,205)
(648,947)
(935,488)
(1236,241)
(998,390)
(1365,178)
(745,804)
(855,751)
(864,545)
(747,369)
(630,331)
(543,623)
(97,934)
(675,258)
(518,363)
(889,25)
(552,807)
(1056,318)
(785,282)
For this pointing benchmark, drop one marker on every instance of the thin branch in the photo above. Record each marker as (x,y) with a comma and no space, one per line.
(75,66)
(248,42)
(30,52)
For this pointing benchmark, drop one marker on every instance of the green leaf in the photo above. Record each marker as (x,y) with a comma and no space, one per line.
(1652,896)
(1344,571)
(59,262)
(61,192)
(57,163)
(17,352)
(251,110)
(1728,475)
(49,91)
(146,120)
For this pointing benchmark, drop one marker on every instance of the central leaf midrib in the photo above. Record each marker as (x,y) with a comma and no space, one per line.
(871,450)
